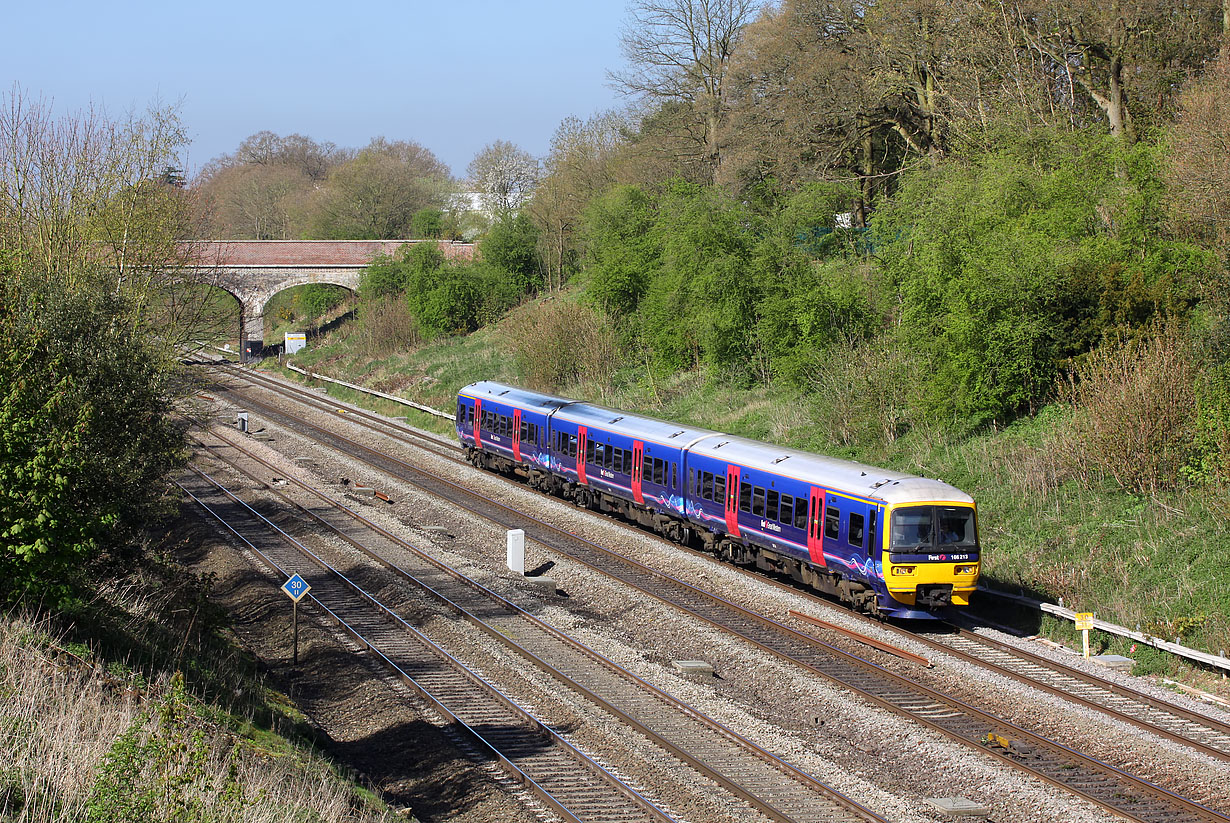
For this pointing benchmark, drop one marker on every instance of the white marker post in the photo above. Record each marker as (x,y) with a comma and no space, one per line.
(1084,622)
(516,551)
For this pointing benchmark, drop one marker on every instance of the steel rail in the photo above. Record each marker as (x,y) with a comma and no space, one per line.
(784,805)
(1099,782)
(1167,720)
(606,791)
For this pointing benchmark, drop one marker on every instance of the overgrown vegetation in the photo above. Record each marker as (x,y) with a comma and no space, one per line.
(983,242)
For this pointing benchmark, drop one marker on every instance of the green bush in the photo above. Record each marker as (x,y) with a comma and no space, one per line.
(1009,264)
(86,437)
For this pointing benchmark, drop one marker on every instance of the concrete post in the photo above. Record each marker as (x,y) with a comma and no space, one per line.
(516,551)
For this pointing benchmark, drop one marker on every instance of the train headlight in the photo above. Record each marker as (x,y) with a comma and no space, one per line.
(903,571)
(965,569)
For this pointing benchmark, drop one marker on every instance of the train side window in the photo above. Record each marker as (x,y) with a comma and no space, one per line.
(609,458)
(856,530)
(646,468)
(745,497)
(787,512)
(719,490)
(589,451)
(470,415)
(800,512)
(771,505)
(572,445)
(674,475)
(618,465)
(832,522)
(628,461)
(659,471)
(758,501)
(461,413)
(706,485)
(692,488)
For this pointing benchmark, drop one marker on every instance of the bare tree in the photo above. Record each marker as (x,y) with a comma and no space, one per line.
(504,175)
(86,206)
(679,51)
(580,166)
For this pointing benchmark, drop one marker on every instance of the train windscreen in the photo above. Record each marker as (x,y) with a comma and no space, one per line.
(933,527)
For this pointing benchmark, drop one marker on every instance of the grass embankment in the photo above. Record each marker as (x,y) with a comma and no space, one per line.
(136,707)
(1150,561)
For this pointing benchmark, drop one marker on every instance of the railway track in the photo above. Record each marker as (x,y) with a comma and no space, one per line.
(767,784)
(1160,717)
(565,779)
(1168,720)
(1054,763)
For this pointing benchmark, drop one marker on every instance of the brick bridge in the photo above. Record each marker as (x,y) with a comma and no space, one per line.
(255,270)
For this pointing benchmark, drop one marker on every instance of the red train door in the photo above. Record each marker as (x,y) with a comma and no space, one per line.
(638,470)
(581,438)
(732,500)
(478,423)
(517,435)
(815,526)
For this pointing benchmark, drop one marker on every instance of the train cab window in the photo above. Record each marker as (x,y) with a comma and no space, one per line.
(758,501)
(800,512)
(832,523)
(719,489)
(787,511)
(745,497)
(770,510)
(856,530)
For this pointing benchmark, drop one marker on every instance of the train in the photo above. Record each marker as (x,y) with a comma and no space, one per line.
(885,543)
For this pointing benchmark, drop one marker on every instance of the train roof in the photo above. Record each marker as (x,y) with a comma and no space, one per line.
(674,435)
(511,394)
(872,482)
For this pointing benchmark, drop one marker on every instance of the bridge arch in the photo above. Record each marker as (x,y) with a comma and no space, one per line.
(255,270)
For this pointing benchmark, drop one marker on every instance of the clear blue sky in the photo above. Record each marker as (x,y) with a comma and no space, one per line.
(452,76)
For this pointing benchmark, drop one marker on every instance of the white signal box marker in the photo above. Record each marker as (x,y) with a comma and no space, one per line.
(296,588)
(516,551)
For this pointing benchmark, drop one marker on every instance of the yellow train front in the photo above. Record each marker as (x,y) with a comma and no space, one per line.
(884,542)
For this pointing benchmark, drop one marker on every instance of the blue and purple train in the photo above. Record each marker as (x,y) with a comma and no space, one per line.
(885,543)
